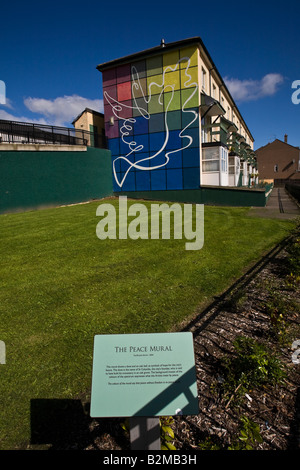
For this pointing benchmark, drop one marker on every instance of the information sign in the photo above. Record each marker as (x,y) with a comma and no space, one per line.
(144,375)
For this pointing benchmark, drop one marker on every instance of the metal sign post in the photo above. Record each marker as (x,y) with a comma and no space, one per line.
(144,433)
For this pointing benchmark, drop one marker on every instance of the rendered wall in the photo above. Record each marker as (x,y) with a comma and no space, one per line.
(36,179)
(151,110)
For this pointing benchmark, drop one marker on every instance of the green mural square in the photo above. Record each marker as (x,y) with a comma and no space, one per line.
(172,101)
(154,65)
(190,98)
(174,120)
(156,104)
(140,107)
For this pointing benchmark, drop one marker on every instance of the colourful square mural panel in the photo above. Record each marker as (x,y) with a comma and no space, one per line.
(154,66)
(151,112)
(188,57)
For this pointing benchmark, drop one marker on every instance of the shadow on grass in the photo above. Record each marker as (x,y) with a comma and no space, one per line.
(65,424)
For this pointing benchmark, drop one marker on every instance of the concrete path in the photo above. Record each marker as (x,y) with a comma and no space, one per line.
(280,206)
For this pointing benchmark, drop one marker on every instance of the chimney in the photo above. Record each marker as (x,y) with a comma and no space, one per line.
(285,138)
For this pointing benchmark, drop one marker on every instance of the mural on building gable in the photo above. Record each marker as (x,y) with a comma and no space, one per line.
(151,112)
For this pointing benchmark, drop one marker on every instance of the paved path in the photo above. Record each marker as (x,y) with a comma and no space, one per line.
(280,206)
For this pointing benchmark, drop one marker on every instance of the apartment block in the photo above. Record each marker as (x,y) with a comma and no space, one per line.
(172,124)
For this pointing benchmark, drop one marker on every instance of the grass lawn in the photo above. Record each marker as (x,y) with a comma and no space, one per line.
(60,285)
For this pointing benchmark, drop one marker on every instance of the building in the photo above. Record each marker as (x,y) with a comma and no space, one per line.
(279,161)
(171,122)
(91,123)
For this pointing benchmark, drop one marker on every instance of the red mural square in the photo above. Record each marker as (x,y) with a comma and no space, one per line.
(123,73)
(124,91)
(109,77)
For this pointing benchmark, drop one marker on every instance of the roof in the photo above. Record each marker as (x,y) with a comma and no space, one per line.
(196,40)
(274,142)
(88,110)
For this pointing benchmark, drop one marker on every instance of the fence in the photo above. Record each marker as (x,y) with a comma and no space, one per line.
(294,190)
(30,133)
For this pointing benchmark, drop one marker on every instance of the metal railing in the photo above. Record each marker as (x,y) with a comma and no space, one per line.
(30,133)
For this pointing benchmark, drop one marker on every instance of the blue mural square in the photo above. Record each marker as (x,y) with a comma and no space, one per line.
(157,122)
(140,126)
(124,163)
(191,157)
(142,140)
(125,127)
(188,117)
(158,180)
(113,146)
(116,187)
(142,181)
(175,142)
(142,159)
(174,179)
(191,178)
(156,140)
(124,146)
(116,164)
(158,161)
(129,183)
(194,133)
(175,160)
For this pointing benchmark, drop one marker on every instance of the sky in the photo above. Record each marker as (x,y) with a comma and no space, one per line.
(50,51)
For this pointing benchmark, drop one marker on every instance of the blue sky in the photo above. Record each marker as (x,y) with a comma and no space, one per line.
(50,50)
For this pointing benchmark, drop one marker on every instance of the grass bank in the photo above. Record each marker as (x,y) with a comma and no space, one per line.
(60,285)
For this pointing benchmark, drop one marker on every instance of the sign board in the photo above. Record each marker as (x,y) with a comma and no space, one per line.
(144,375)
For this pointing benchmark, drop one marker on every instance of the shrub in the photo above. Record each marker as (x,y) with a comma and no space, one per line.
(252,366)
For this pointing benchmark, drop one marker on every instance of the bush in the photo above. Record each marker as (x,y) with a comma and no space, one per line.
(252,366)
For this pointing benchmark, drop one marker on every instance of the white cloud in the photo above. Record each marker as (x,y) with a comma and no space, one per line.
(10,117)
(62,110)
(250,90)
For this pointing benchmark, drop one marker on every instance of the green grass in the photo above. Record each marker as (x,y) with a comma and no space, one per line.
(60,285)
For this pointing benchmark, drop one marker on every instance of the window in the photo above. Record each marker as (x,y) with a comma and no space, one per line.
(214,90)
(224,163)
(210,159)
(205,130)
(203,79)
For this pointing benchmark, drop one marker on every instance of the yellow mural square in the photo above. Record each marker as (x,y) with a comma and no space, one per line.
(155,84)
(190,53)
(172,79)
(170,60)
(189,77)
